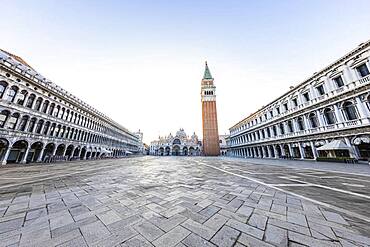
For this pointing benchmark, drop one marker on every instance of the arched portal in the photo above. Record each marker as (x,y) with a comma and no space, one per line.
(83,152)
(48,152)
(167,151)
(17,152)
(4,144)
(185,151)
(60,150)
(69,151)
(35,151)
(176,150)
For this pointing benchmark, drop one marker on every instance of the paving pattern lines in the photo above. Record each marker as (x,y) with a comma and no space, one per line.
(166,202)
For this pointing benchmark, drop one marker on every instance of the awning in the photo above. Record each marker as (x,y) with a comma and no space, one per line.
(335,145)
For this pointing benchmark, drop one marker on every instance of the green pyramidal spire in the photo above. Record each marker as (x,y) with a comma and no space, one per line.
(207,73)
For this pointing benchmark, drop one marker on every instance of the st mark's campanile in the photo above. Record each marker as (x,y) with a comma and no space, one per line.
(211,145)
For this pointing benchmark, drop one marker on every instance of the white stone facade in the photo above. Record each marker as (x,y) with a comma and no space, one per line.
(178,145)
(333,104)
(40,121)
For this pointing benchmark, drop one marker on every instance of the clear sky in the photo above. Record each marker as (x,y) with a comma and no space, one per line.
(141,62)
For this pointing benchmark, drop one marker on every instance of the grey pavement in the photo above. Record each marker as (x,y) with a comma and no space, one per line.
(182,201)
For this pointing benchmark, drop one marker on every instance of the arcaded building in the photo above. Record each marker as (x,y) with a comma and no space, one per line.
(211,145)
(330,109)
(179,145)
(40,121)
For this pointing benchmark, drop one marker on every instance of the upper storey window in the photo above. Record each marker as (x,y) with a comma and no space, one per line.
(306,97)
(3,86)
(285,105)
(30,101)
(271,114)
(278,110)
(350,110)
(320,89)
(11,93)
(363,70)
(295,102)
(339,81)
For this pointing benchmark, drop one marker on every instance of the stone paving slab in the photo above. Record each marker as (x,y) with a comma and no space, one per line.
(165,202)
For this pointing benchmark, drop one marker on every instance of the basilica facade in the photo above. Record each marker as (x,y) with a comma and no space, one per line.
(40,121)
(179,145)
(327,115)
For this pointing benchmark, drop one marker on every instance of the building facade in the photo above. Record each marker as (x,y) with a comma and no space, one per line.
(211,145)
(178,145)
(332,105)
(40,121)
(224,144)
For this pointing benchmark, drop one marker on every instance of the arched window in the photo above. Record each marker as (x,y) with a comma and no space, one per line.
(281,126)
(13,121)
(46,128)
(30,101)
(56,112)
(39,126)
(290,126)
(313,120)
(38,104)
(3,86)
(23,123)
(300,123)
(22,97)
(274,130)
(31,126)
(51,109)
(349,110)
(45,106)
(3,117)
(329,116)
(12,93)
(52,129)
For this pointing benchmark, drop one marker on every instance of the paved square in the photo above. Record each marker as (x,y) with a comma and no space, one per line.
(180,201)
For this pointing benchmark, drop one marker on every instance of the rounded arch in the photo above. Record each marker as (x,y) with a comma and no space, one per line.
(18,152)
(35,151)
(349,110)
(3,86)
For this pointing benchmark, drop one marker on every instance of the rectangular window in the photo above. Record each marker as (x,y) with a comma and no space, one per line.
(271,114)
(295,102)
(278,110)
(285,106)
(339,81)
(266,116)
(363,70)
(306,97)
(321,89)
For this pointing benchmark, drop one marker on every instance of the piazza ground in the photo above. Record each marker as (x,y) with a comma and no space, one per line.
(185,201)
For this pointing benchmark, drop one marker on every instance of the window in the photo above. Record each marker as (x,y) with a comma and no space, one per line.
(38,104)
(349,110)
(300,123)
(13,121)
(22,125)
(45,106)
(31,126)
(339,81)
(39,126)
(46,128)
(313,120)
(3,86)
(329,116)
(11,93)
(363,70)
(320,89)
(285,106)
(30,101)
(271,114)
(278,110)
(282,128)
(274,130)
(3,117)
(51,109)
(306,97)
(265,116)
(268,132)
(290,126)
(295,102)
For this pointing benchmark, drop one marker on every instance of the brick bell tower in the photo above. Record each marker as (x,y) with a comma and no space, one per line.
(211,145)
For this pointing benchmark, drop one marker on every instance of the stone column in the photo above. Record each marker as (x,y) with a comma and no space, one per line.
(269,152)
(275,152)
(353,152)
(301,151)
(282,150)
(24,160)
(6,155)
(314,151)
(338,114)
(363,111)
(290,149)
(39,159)
(320,119)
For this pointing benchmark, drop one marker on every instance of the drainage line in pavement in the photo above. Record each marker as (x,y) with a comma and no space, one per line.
(342,210)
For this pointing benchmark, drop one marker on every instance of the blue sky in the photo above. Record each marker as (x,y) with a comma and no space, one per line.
(141,62)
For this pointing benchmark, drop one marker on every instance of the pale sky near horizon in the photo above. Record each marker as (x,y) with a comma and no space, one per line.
(141,62)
